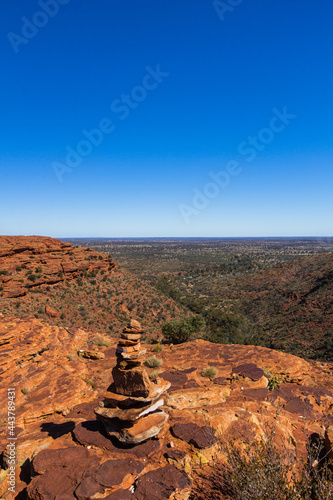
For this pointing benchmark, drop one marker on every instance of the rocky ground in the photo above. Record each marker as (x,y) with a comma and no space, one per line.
(62,450)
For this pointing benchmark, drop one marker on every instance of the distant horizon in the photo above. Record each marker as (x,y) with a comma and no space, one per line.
(305,237)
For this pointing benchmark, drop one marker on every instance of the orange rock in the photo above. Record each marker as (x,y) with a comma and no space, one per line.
(134,324)
(51,312)
(144,428)
(134,382)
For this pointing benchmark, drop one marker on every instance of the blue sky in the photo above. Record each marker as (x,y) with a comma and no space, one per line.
(153,99)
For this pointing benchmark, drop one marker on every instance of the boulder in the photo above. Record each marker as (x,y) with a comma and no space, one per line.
(133,382)
(50,312)
(161,484)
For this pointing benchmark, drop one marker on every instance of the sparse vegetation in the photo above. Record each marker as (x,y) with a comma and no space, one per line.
(153,362)
(92,383)
(273,382)
(259,469)
(209,372)
(158,348)
(223,291)
(101,341)
(154,375)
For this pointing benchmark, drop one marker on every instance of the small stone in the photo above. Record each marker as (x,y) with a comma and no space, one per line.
(91,354)
(121,349)
(134,324)
(132,355)
(50,312)
(143,429)
(122,401)
(128,364)
(127,342)
(130,415)
(130,336)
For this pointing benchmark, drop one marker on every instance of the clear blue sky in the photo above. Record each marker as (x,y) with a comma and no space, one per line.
(180,92)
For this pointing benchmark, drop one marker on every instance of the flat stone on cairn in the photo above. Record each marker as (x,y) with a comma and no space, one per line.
(131,410)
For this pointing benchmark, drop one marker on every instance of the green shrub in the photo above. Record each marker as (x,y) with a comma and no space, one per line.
(153,362)
(209,372)
(273,383)
(31,277)
(180,331)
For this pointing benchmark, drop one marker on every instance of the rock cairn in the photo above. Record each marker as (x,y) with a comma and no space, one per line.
(131,410)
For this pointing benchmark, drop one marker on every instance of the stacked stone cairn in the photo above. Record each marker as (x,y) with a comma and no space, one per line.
(131,410)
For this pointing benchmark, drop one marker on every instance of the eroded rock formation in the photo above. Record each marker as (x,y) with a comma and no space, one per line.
(31,262)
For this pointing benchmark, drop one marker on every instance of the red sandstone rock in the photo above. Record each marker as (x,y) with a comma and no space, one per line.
(144,428)
(88,488)
(135,325)
(91,354)
(51,312)
(50,263)
(47,460)
(130,414)
(53,484)
(201,437)
(133,382)
(120,495)
(113,472)
(249,370)
(160,484)
(118,400)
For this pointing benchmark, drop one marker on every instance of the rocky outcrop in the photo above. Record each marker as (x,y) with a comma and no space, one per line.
(31,262)
(69,285)
(58,390)
(131,411)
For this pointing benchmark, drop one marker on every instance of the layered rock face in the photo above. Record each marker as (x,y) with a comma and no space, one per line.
(131,410)
(28,262)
